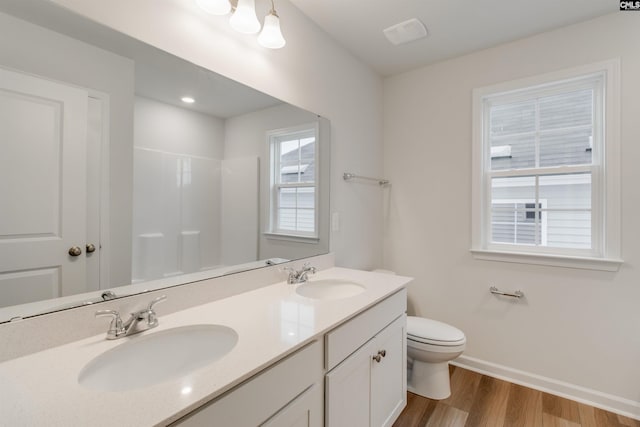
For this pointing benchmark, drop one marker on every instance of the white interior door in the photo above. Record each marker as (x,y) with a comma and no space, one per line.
(42,188)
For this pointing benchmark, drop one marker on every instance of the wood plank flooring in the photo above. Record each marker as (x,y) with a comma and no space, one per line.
(478,400)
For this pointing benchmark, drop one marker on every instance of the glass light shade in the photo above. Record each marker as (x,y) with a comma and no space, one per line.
(215,7)
(271,36)
(244,19)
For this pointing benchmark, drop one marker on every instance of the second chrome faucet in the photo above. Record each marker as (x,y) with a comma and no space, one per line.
(299,276)
(138,321)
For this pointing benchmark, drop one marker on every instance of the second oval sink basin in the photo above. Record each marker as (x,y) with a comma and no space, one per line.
(329,289)
(151,359)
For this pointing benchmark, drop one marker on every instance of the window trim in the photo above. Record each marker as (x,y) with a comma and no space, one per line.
(609,188)
(272,137)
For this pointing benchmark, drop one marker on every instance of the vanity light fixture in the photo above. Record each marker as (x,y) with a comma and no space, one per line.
(245,20)
(271,36)
(187,100)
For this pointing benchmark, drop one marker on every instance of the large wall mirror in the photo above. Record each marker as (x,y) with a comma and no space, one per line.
(125,169)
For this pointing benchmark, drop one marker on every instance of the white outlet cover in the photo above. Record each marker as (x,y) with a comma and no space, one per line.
(335,221)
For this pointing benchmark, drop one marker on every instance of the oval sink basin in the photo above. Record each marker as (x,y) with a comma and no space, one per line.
(151,359)
(329,289)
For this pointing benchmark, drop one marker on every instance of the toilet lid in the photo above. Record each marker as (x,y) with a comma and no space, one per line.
(433,332)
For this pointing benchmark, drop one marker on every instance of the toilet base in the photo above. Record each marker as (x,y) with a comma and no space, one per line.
(430,380)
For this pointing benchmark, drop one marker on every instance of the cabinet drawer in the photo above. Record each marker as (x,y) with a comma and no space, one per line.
(345,339)
(266,393)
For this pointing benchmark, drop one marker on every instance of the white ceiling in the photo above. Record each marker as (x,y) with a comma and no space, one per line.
(455,27)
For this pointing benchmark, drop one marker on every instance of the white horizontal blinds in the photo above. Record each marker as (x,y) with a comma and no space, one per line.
(295,184)
(296,210)
(540,156)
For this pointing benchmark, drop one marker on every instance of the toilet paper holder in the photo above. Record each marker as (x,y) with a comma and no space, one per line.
(496,291)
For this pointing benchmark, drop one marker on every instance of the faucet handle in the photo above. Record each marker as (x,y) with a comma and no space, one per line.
(152,319)
(155,301)
(293,274)
(307,268)
(116,328)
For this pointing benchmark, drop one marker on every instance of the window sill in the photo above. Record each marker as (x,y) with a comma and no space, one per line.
(292,237)
(586,263)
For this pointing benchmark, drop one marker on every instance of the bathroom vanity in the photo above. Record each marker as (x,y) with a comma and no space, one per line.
(334,357)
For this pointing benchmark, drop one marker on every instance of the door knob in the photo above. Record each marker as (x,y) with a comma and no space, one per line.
(377,358)
(75,251)
(91,248)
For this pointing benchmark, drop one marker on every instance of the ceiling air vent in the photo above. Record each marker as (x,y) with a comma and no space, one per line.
(405,32)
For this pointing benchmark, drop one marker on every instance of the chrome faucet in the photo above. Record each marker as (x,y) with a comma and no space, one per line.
(138,321)
(299,276)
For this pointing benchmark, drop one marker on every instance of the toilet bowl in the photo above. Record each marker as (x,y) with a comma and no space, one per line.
(430,347)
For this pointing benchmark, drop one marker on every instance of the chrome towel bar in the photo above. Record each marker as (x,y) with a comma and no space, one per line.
(347,176)
(516,294)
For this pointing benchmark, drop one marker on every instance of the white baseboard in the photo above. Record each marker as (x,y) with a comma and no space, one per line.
(605,401)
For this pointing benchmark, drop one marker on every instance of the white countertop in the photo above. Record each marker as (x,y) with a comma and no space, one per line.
(41,389)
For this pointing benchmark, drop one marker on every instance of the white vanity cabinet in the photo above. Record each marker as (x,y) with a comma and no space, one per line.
(287,394)
(362,363)
(367,387)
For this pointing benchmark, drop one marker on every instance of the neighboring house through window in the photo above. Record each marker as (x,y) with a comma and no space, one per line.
(546,169)
(294,181)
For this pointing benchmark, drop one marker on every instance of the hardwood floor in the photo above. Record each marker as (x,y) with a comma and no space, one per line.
(479,400)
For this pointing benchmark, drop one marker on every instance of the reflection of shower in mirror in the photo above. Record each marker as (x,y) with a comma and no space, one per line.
(177,213)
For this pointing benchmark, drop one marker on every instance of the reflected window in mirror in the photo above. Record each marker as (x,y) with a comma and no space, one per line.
(294,181)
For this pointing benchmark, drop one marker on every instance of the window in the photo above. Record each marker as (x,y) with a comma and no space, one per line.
(545,169)
(294,182)
(514,222)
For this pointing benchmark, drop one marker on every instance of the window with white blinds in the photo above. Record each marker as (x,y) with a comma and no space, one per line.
(294,182)
(541,152)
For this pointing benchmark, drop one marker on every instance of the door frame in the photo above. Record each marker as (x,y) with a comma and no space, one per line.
(104,242)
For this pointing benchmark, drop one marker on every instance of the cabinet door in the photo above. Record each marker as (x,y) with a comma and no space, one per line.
(305,411)
(389,376)
(347,390)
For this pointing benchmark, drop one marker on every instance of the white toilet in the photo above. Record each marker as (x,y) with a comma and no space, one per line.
(430,347)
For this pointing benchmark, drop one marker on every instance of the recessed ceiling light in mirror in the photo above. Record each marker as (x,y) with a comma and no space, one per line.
(187,100)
